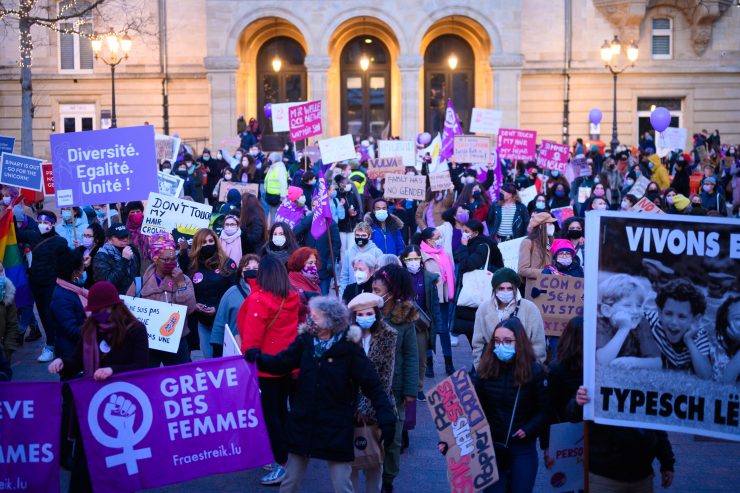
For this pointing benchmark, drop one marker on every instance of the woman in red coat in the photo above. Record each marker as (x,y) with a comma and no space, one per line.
(268,321)
(303,272)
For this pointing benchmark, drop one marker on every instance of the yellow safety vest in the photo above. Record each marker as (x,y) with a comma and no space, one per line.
(272,183)
(360,184)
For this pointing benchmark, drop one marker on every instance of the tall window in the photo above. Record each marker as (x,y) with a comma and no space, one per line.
(662,39)
(75,51)
(287,84)
(449,67)
(366,75)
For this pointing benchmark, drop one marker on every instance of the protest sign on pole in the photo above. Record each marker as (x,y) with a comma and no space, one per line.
(645,205)
(405,149)
(640,187)
(280,120)
(516,144)
(471,149)
(305,120)
(462,426)
(562,213)
(7,144)
(669,139)
(154,427)
(581,167)
(440,181)
(659,316)
(527,195)
(553,156)
(163,214)
(48,174)
(21,171)
(104,166)
(244,188)
(559,298)
(433,149)
(510,252)
(568,453)
(337,149)
(378,168)
(170,185)
(167,147)
(229,143)
(30,426)
(411,187)
(164,321)
(485,121)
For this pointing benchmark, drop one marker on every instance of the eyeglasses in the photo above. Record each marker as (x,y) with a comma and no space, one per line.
(87,236)
(505,342)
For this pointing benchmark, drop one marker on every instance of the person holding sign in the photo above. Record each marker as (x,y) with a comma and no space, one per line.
(72,225)
(513,391)
(534,250)
(386,228)
(117,261)
(112,341)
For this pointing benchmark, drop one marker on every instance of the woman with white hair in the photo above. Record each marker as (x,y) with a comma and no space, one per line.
(333,368)
(362,245)
(363,267)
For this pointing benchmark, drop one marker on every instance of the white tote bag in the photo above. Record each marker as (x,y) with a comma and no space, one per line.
(476,286)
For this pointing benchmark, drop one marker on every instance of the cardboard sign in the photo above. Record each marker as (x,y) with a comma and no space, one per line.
(231,348)
(104,166)
(7,144)
(583,194)
(461,423)
(528,194)
(337,149)
(280,120)
(46,170)
(244,188)
(378,168)
(167,147)
(149,428)
(163,214)
(21,171)
(581,166)
(164,321)
(562,213)
(517,144)
(485,121)
(568,451)
(510,252)
(640,187)
(405,149)
(169,184)
(305,120)
(411,187)
(559,298)
(645,205)
(471,149)
(553,156)
(440,181)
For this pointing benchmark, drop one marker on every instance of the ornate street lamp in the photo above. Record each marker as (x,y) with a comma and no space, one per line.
(118,49)
(610,52)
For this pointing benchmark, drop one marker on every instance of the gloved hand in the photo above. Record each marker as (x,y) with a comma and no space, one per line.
(387,433)
(252,354)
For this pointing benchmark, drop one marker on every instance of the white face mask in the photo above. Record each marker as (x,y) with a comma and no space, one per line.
(505,296)
(231,229)
(625,205)
(600,207)
(348,188)
(360,276)
(44,228)
(550,230)
(278,240)
(413,266)
(227,176)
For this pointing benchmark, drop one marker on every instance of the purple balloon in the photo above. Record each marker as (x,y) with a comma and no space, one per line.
(660,119)
(268,110)
(423,138)
(594,116)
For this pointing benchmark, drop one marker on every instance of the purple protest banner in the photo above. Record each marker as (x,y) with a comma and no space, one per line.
(304,120)
(30,424)
(451,128)
(516,144)
(155,427)
(321,211)
(553,156)
(103,166)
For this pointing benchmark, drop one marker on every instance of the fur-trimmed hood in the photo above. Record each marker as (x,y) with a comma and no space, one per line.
(393,222)
(404,313)
(9,297)
(354,333)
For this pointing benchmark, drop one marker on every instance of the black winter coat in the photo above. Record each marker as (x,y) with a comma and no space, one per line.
(210,286)
(109,265)
(67,315)
(351,198)
(320,423)
(132,354)
(253,236)
(627,454)
(564,381)
(43,265)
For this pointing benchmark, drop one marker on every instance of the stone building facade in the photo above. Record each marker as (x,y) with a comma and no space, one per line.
(216,59)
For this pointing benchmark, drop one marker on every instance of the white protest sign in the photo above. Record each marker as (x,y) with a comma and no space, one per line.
(645,205)
(440,181)
(567,450)
(671,138)
(583,194)
(280,121)
(164,321)
(485,121)
(528,194)
(170,185)
(405,149)
(640,186)
(337,149)
(411,187)
(163,214)
(510,252)
(231,348)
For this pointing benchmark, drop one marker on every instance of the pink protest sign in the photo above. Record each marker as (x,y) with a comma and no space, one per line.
(150,428)
(553,156)
(305,120)
(516,144)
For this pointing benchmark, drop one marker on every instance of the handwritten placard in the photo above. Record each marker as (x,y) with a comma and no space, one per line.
(244,188)
(305,120)
(472,149)
(411,187)
(553,156)
(559,298)
(164,321)
(645,205)
(405,149)
(378,168)
(516,144)
(440,181)
(485,121)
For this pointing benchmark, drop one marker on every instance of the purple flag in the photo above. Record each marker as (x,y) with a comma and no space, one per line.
(452,128)
(154,427)
(30,422)
(498,177)
(322,210)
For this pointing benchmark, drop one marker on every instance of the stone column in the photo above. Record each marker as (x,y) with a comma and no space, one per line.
(507,72)
(221,72)
(317,68)
(412,110)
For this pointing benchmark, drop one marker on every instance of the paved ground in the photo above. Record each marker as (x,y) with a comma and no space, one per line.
(702,465)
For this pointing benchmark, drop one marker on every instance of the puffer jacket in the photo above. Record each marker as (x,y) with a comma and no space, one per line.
(403,319)
(109,265)
(70,233)
(43,271)
(390,240)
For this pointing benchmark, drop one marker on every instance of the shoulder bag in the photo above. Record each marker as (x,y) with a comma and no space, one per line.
(476,286)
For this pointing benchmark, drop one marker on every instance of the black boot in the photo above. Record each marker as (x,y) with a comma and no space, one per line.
(34,334)
(449,369)
(429,372)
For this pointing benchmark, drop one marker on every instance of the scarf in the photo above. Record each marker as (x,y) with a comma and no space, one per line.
(140,241)
(232,244)
(320,347)
(78,290)
(446,269)
(91,347)
(302,283)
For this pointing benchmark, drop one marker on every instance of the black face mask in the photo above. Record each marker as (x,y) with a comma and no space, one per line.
(207,251)
(575,234)
(250,274)
(361,242)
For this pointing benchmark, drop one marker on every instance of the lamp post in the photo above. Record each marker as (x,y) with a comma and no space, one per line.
(118,48)
(611,51)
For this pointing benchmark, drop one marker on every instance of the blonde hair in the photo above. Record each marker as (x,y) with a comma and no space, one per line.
(363,227)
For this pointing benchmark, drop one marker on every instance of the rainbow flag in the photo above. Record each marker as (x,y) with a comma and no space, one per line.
(10,255)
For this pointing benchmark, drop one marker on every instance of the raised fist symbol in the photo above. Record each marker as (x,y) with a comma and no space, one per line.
(120,413)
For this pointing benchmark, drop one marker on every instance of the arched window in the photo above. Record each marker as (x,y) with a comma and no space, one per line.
(449,67)
(366,75)
(284,85)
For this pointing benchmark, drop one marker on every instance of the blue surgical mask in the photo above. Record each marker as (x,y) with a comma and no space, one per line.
(381,215)
(504,352)
(334,194)
(100,213)
(19,213)
(555,174)
(365,322)
(67,215)
(82,280)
